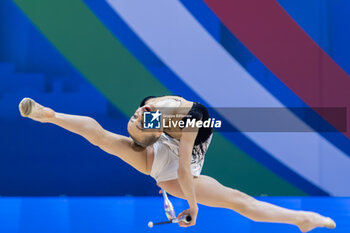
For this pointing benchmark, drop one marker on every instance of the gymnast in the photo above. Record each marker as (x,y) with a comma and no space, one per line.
(174,157)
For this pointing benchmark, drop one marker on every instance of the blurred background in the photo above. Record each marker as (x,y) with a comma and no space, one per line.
(100,58)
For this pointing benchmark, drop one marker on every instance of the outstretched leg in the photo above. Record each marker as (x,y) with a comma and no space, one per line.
(210,192)
(121,146)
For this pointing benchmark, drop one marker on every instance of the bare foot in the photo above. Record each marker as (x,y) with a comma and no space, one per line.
(312,220)
(30,108)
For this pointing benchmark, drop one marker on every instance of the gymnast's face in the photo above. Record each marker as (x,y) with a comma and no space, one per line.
(141,136)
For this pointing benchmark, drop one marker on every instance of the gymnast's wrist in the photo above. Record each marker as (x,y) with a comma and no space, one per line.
(194,207)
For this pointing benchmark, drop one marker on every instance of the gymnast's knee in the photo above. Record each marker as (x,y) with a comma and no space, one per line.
(240,201)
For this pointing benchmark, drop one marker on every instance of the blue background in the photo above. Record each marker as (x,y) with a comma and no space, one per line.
(42,187)
(132,214)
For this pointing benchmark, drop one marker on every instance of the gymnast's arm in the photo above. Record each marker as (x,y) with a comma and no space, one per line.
(185,176)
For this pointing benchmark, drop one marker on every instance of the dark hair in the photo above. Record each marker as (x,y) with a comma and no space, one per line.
(143,102)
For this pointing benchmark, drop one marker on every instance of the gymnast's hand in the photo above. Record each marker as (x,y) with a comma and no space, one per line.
(191,212)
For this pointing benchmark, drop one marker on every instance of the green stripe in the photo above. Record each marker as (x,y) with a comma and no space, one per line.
(76,32)
(84,41)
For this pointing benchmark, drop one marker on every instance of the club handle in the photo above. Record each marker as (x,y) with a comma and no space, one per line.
(184,218)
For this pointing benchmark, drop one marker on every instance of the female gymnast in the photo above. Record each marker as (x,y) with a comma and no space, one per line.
(174,157)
